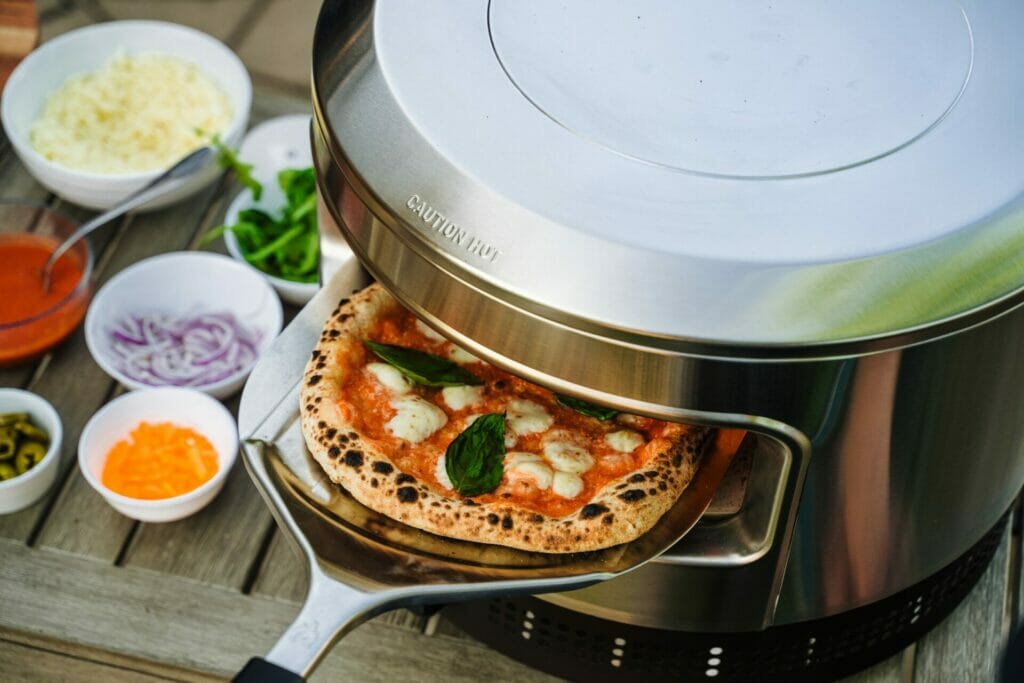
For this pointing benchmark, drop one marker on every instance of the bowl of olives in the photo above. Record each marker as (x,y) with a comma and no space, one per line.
(30,436)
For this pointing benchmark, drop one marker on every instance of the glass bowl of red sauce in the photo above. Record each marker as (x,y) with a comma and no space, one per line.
(33,321)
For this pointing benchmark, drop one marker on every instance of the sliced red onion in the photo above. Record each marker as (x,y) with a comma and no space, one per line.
(194,351)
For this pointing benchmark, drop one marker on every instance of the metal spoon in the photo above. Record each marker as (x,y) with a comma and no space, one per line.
(158,186)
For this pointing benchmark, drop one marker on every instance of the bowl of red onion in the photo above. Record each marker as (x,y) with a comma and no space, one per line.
(184,319)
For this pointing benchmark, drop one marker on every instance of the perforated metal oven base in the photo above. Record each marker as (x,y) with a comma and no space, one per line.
(583,648)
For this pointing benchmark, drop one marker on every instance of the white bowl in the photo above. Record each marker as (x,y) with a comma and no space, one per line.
(179,284)
(183,407)
(272,146)
(27,488)
(88,49)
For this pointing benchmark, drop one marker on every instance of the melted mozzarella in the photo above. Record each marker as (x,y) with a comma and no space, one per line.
(624,440)
(441,473)
(529,465)
(416,419)
(461,355)
(566,484)
(567,456)
(462,396)
(393,380)
(429,332)
(527,417)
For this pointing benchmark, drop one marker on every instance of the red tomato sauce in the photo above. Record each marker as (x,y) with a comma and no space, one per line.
(367,405)
(22,257)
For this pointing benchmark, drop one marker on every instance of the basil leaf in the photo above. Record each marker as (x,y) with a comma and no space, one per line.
(423,368)
(475,459)
(588,409)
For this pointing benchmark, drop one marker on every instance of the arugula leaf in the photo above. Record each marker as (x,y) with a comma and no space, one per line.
(584,408)
(423,368)
(227,158)
(475,459)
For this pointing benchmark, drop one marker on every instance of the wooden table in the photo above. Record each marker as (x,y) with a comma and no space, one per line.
(86,594)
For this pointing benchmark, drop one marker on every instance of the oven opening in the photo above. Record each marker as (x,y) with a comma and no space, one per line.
(740,523)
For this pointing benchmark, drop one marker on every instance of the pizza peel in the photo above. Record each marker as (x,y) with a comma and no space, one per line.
(361,563)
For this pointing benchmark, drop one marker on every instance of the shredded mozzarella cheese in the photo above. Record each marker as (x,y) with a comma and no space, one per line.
(138,113)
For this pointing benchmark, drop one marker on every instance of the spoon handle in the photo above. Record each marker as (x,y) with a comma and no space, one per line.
(184,167)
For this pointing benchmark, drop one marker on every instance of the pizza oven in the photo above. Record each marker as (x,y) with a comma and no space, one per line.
(807,223)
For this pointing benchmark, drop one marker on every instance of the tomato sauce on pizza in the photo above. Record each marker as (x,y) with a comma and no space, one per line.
(582,452)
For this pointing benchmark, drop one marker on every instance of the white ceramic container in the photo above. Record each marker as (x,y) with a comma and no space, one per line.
(183,407)
(179,284)
(90,48)
(273,146)
(27,488)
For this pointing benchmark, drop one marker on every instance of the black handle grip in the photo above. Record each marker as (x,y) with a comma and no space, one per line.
(259,670)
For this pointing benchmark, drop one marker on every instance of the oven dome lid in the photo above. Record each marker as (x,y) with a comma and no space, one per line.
(719,177)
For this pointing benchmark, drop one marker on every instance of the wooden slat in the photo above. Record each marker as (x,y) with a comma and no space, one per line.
(21,664)
(218,545)
(966,646)
(891,670)
(141,614)
(282,575)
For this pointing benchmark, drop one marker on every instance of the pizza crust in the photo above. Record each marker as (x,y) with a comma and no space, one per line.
(621,511)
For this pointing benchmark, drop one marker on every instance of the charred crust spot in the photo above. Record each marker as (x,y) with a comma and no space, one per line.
(318,399)
(316,354)
(677,460)
(309,406)
(321,424)
(344,316)
(632,495)
(353,435)
(343,302)
(536,519)
(663,486)
(500,384)
(405,479)
(334,452)
(637,478)
(506,522)
(342,438)
(506,495)
(334,334)
(354,458)
(435,504)
(651,474)
(381,467)
(407,494)
(469,501)
(331,433)
(314,380)
(321,364)
(374,483)
(592,510)
(492,518)
(621,486)
(651,491)
(607,519)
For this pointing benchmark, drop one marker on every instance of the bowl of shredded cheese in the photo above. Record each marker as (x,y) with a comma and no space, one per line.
(158,455)
(97,113)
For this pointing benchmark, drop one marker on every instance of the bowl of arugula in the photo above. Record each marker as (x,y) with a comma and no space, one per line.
(271,225)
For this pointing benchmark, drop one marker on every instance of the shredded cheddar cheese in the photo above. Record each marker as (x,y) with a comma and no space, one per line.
(159,460)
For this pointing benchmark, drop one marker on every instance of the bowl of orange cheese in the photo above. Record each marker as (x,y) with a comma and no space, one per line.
(158,455)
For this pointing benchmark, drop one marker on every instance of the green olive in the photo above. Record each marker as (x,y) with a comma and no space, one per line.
(7,471)
(33,450)
(30,431)
(11,418)
(8,443)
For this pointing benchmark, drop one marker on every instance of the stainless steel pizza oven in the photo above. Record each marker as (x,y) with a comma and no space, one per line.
(802,221)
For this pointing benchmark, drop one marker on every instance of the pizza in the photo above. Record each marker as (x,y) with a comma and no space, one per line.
(416,428)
